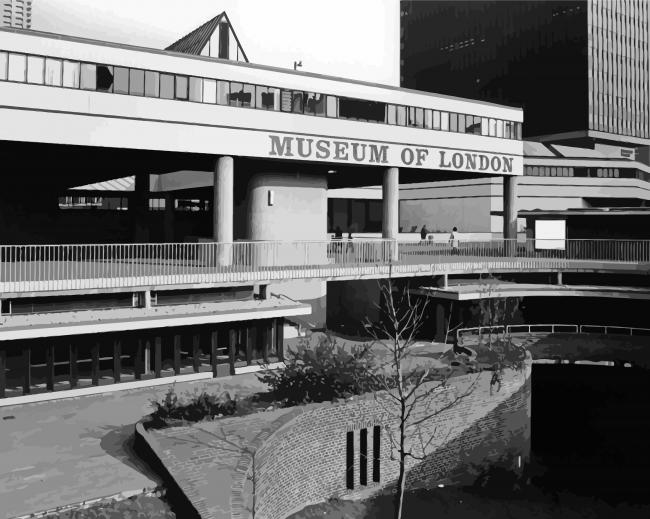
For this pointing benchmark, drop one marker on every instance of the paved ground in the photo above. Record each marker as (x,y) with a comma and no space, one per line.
(71,450)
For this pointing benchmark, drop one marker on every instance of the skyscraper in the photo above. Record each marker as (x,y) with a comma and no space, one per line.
(579,68)
(16,13)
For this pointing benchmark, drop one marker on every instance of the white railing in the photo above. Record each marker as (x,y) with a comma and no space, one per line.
(551,328)
(36,268)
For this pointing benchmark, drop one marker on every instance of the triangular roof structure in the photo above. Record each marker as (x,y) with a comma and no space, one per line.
(196,41)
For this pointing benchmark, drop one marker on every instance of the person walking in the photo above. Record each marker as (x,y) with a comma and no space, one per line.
(424,232)
(453,241)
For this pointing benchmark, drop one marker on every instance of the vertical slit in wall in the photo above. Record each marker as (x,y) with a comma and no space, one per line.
(349,462)
(376,438)
(363,457)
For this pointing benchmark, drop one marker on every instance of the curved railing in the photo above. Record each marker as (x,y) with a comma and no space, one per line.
(27,268)
(553,328)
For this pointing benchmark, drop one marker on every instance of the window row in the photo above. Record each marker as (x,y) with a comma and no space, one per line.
(123,80)
(547,171)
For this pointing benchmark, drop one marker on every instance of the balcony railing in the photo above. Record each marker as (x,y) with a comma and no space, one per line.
(41,268)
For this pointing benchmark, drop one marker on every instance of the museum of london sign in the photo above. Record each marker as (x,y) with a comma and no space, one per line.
(353,152)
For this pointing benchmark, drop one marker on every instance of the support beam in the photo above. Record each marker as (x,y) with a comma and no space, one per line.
(49,366)
(510,207)
(390,204)
(146,365)
(74,369)
(3,374)
(157,356)
(223,205)
(267,335)
(177,353)
(137,362)
(117,360)
(249,341)
(94,363)
(214,345)
(232,345)
(27,369)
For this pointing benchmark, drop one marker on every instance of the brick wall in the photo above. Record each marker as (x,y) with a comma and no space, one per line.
(304,461)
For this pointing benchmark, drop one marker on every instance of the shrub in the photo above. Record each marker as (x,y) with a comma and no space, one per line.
(198,407)
(325,372)
(137,507)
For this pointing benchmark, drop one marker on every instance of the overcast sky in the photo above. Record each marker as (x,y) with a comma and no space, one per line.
(350,38)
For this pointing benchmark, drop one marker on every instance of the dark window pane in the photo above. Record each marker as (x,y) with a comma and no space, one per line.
(297,102)
(241,95)
(104,78)
(121,80)
(314,104)
(359,109)
(136,82)
(268,98)
(181,87)
(166,86)
(248,96)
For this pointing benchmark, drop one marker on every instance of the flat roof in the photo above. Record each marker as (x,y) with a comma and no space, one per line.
(77,39)
(590,211)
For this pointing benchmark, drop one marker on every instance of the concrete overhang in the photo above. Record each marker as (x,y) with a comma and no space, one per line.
(474,291)
(31,326)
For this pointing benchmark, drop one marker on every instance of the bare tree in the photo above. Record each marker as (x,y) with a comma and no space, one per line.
(410,394)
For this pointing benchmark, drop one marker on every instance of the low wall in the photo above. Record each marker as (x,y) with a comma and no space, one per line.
(304,462)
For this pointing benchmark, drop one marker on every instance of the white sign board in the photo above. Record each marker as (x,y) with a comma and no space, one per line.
(550,234)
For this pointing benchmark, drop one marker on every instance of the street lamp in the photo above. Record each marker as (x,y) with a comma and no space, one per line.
(297,64)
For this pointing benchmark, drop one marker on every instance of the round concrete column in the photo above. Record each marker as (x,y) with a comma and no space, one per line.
(222,216)
(390,197)
(510,208)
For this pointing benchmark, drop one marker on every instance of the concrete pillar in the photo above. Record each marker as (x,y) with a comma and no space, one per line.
(510,207)
(390,198)
(223,205)
(441,322)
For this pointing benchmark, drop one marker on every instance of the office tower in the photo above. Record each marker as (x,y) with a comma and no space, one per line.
(16,13)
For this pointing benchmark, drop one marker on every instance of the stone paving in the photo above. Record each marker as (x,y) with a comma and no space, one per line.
(71,450)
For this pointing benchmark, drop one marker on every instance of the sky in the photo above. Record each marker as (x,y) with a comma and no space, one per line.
(356,39)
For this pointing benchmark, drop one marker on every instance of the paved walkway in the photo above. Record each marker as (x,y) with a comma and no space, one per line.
(67,451)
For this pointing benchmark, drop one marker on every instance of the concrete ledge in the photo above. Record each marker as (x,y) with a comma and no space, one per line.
(97,390)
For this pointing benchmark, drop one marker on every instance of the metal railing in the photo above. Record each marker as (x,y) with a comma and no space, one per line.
(552,328)
(36,268)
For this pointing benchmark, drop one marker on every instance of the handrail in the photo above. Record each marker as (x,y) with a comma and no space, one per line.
(40,268)
(556,328)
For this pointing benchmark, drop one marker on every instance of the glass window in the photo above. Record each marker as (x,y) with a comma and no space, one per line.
(436,120)
(461,123)
(181,87)
(3,65)
(493,128)
(53,72)
(444,121)
(210,91)
(297,102)
(247,96)
(361,110)
(35,70)
(196,89)
(223,90)
(88,76)
(104,78)
(285,100)
(267,98)
(391,114)
(484,126)
(136,82)
(17,67)
(500,128)
(71,74)
(473,125)
(166,86)
(121,80)
(233,96)
(151,83)
(314,104)
(535,171)
(453,122)
(428,119)
(401,116)
(506,129)
(332,106)
(419,117)
(518,129)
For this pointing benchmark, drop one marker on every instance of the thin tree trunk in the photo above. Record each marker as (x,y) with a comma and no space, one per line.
(401,480)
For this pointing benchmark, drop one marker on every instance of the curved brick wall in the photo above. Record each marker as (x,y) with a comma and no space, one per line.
(304,461)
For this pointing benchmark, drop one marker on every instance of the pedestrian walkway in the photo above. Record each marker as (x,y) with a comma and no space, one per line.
(71,450)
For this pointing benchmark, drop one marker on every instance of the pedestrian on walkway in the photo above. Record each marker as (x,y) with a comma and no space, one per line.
(424,232)
(453,241)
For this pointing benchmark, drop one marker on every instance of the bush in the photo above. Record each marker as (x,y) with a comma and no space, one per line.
(323,373)
(197,408)
(138,507)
